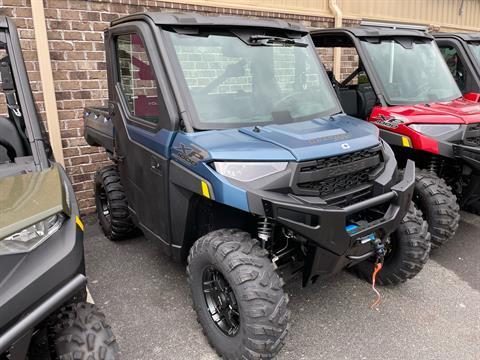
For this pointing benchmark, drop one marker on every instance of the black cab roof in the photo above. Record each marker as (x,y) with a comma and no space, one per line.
(462,36)
(193,19)
(362,32)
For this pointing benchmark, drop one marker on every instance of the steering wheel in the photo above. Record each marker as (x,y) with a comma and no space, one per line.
(286,98)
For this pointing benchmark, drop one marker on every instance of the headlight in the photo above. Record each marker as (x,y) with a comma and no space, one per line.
(434,130)
(29,238)
(248,171)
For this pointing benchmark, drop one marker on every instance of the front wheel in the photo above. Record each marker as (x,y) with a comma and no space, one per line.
(435,198)
(407,251)
(237,295)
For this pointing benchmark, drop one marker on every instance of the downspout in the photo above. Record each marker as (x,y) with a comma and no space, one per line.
(337,52)
(46,75)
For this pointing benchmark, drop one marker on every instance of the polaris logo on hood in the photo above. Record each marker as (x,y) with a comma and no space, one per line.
(345,146)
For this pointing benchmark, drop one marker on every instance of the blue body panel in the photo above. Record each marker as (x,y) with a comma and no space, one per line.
(233,144)
(158,142)
(223,191)
(308,140)
(320,138)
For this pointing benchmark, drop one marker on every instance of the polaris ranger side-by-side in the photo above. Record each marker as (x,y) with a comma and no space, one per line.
(43,313)
(231,149)
(403,86)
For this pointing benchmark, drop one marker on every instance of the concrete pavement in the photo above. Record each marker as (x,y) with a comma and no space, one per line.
(434,316)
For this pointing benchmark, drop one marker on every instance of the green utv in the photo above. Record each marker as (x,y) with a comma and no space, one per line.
(43,313)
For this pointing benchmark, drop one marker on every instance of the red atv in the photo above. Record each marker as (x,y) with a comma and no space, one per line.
(400,82)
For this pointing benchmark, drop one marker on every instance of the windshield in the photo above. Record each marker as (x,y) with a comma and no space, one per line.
(233,83)
(411,71)
(475,48)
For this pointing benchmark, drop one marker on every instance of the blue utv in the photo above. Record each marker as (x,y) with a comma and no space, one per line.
(231,149)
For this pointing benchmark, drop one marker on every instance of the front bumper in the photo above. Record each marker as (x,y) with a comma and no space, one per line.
(332,246)
(468,154)
(40,312)
(471,157)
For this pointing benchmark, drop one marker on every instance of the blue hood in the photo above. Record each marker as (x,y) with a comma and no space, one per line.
(314,139)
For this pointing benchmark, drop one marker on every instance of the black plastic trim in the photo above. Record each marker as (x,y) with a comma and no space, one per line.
(42,311)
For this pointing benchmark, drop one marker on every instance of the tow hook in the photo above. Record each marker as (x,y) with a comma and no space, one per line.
(379,249)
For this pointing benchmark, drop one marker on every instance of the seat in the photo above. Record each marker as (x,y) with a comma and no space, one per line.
(10,139)
(366,100)
(348,100)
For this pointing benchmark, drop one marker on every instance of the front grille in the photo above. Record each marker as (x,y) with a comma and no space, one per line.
(336,184)
(472,135)
(324,177)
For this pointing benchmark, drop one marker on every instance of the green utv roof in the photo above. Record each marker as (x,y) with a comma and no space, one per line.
(29,198)
(192,19)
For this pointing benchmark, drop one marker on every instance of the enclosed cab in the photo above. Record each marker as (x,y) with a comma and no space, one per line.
(231,149)
(461,51)
(400,83)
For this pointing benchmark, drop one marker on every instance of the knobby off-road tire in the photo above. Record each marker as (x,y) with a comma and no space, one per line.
(439,205)
(80,332)
(112,206)
(408,250)
(257,289)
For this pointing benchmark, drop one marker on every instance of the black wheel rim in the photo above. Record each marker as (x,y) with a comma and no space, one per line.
(104,205)
(221,302)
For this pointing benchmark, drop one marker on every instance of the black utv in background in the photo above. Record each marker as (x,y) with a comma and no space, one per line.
(43,313)
(462,54)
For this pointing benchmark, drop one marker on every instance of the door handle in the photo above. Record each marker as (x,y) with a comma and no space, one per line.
(156,166)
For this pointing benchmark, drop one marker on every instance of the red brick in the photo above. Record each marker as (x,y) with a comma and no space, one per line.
(14,2)
(73,35)
(90,16)
(69,15)
(79,25)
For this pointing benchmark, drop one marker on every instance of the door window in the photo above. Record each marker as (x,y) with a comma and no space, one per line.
(455,65)
(137,79)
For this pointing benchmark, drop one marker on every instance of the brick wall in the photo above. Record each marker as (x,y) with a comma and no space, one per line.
(75,33)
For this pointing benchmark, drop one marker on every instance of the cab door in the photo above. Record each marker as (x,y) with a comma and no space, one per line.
(142,127)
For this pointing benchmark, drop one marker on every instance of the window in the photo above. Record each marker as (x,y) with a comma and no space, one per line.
(233,83)
(137,78)
(455,64)
(411,71)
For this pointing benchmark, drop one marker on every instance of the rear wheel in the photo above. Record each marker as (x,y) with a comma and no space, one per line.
(80,332)
(112,206)
(237,295)
(407,251)
(439,205)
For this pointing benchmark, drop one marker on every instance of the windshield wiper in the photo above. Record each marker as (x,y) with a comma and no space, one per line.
(265,40)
